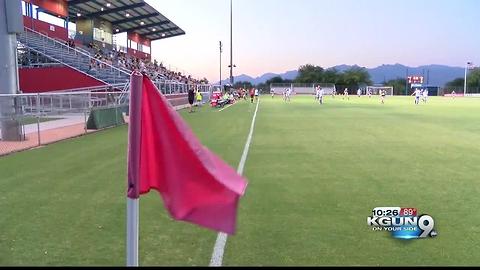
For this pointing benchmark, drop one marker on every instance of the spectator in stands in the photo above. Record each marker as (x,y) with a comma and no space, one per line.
(154,70)
(70,43)
(93,65)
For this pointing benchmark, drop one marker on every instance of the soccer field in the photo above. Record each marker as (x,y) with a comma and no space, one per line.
(315,173)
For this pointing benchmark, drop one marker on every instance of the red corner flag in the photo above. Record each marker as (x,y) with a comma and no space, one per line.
(164,154)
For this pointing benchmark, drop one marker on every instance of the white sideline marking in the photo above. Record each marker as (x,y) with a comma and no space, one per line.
(219,248)
(230,105)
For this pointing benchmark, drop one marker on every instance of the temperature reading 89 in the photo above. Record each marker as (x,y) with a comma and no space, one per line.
(403,223)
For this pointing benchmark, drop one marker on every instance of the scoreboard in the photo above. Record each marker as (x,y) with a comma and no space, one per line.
(415,79)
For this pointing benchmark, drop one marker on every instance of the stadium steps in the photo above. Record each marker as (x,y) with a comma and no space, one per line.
(73,58)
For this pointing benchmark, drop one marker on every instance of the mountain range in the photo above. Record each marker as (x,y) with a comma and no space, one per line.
(435,75)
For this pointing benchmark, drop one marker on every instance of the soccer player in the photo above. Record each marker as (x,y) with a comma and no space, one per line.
(334,92)
(453,94)
(382,96)
(345,94)
(359,92)
(252,94)
(320,95)
(257,93)
(288,92)
(417,94)
(317,92)
(272,92)
(425,95)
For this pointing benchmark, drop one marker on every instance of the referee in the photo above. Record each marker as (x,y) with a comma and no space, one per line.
(191,98)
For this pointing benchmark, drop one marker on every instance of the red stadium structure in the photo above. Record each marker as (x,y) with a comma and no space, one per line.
(92,49)
(74,60)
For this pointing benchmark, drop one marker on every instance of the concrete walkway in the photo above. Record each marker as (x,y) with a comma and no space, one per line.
(67,120)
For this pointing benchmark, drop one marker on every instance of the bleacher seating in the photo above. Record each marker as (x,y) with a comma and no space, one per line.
(111,67)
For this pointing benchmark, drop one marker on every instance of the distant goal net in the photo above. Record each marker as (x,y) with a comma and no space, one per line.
(375,90)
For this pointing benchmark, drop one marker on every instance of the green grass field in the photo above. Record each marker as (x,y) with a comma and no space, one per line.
(315,173)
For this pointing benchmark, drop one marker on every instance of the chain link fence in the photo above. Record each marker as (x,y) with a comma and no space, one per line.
(40,119)
(459,90)
(33,120)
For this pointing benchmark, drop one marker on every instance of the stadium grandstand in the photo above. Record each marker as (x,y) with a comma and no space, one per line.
(74,60)
(93,42)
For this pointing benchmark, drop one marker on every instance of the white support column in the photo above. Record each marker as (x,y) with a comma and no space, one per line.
(11,23)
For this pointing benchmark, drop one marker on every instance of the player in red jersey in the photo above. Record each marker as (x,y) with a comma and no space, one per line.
(252,94)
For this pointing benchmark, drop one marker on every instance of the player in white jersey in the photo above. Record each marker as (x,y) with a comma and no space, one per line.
(425,95)
(288,92)
(453,94)
(320,95)
(317,92)
(417,94)
(359,92)
(382,96)
(334,92)
(345,94)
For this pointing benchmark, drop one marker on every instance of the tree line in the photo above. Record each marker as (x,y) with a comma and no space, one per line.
(308,73)
(351,78)
(473,80)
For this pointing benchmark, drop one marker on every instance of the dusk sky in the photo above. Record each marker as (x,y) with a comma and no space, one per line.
(280,35)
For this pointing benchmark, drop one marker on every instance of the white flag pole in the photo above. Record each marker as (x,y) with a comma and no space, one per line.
(133,189)
(132,232)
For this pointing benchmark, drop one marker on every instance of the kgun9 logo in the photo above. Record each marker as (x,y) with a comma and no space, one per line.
(402,226)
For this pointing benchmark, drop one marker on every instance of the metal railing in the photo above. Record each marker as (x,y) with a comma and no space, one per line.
(77,48)
(47,104)
(45,118)
(125,94)
(52,48)
(174,87)
(106,87)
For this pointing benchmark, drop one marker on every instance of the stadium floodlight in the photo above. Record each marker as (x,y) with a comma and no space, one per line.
(108,4)
(231,66)
(467,67)
(221,50)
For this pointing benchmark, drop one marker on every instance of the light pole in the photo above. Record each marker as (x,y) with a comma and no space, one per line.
(465,81)
(221,45)
(406,83)
(231,42)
